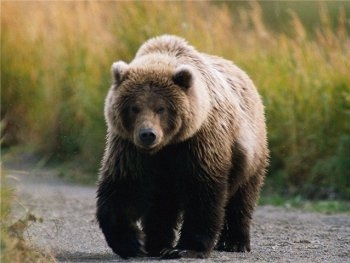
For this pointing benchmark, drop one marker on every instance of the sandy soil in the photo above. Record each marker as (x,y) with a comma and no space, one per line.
(70,232)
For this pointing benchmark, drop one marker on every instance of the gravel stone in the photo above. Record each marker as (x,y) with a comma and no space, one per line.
(70,232)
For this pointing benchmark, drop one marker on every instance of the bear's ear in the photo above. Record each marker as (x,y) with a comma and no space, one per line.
(119,70)
(183,77)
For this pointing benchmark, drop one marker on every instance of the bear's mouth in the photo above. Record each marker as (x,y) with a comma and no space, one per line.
(148,149)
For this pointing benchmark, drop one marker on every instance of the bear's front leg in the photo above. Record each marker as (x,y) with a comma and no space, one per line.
(160,224)
(117,214)
(203,219)
(125,240)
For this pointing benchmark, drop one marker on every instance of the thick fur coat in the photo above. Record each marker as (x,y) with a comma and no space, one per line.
(186,149)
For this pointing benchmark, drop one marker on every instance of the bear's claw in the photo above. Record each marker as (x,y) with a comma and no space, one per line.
(236,247)
(132,248)
(173,253)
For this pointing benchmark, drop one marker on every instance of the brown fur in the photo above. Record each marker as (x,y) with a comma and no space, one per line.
(186,135)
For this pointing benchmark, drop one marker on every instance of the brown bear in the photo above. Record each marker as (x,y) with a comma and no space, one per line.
(186,150)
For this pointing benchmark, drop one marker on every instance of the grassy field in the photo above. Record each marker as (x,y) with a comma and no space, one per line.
(56,57)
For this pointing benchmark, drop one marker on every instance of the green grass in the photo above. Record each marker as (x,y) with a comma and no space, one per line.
(55,75)
(321,206)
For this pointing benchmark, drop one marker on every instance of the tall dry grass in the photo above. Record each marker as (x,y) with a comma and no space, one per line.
(56,58)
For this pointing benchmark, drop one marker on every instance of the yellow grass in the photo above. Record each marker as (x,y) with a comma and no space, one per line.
(13,247)
(56,58)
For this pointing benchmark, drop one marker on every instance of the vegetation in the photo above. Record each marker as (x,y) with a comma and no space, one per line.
(55,75)
(298,202)
(12,245)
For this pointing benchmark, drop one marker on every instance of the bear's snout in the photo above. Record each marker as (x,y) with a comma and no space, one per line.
(147,136)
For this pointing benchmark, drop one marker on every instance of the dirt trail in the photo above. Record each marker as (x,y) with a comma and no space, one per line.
(70,232)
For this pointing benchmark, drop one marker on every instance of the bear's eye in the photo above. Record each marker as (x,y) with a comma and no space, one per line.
(160,110)
(135,109)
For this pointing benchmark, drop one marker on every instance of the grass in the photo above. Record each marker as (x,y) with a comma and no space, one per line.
(13,247)
(321,206)
(55,75)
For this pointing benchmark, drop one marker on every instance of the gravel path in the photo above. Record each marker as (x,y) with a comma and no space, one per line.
(69,229)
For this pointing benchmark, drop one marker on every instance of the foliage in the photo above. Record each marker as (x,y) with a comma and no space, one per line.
(55,75)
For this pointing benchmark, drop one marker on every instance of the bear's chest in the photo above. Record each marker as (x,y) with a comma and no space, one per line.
(171,163)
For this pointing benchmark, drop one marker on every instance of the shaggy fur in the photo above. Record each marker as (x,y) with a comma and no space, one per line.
(186,148)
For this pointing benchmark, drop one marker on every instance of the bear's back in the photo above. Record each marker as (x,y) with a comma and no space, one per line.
(166,44)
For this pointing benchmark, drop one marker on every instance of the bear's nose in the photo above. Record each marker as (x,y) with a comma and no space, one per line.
(147,136)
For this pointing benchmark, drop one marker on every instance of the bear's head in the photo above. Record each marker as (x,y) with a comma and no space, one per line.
(156,104)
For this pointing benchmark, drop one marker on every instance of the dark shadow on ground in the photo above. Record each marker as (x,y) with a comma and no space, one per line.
(85,257)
